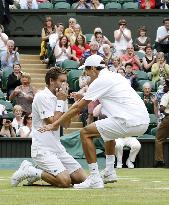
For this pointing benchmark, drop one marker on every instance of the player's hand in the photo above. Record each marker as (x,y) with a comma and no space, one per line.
(48,127)
(61,94)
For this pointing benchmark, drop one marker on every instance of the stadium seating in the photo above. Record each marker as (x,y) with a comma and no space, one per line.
(113,5)
(46,5)
(76,85)
(5,76)
(62,5)
(7,104)
(69,64)
(88,37)
(73,75)
(130,5)
(141,75)
(2,97)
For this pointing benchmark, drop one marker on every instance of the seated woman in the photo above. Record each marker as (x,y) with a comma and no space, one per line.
(77,32)
(48,29)
(24,93)
(6,129)
(130,76)
(116,64)
(149,59)
(108,56)
(79,47)
(148,98)
(70,30)
(14,79)
(28,4)
(95,4)
(160,69)
(62,51)
(142,40)
(17,122)
(25,131)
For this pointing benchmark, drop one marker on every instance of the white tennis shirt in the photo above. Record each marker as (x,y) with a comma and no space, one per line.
(118,98)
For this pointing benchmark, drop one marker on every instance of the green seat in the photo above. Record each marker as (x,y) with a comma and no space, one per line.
(113,5)
(107,1)
(146,136)
(2,96)
(76,85)
(130,5)
(62,5)
(140,93)
(73,75)
(153,131)
(152,124)
(141,75)
(5,76)
(56,1)
(74,6)
(46,5)
(88,37)
(140,55)
(69,64)
(7,104)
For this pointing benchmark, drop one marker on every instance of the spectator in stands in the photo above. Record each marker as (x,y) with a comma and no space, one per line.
(122,38)
(77,31)
(149,59)
(70,30)
(148,97)
(48,29)
(116,64)
(5,13)
(94,47)
(160,69)
(162,38)
(105,40)
(121,71)
(6,129)
(9,57)
(28,4)
(3,40)
(95,4)
(24,93)
(108,56)
(81,4)
(130,57)
(62,51)
(14,79)
(134,146)
(25,130)
(142,40)
(163,129)
(17,122)
(147,4)
(79,47)
(130,76)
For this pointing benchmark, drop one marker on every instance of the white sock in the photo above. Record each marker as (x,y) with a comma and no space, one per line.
(110,159)
(93,168)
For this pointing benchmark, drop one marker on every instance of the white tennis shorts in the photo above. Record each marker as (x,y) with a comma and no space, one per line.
(55,163)
(112,128)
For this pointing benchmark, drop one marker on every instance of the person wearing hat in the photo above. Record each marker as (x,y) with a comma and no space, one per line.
(163,129)
(120,105)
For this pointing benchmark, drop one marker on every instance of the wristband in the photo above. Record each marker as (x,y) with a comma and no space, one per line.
(60,105)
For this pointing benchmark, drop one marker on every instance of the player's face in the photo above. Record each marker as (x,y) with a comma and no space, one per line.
(91,73)
(59,82)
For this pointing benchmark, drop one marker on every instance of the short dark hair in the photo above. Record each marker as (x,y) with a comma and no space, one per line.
(26,116)
(53,73)
(165,19)
(128,64)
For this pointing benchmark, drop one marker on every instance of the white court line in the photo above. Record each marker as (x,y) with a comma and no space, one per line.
(156,181)
(159,188)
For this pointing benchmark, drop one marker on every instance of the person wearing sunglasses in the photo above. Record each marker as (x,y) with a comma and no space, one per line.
(6,128)
(25,130)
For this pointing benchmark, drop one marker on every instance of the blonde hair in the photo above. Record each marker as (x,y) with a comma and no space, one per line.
(17,107)
(26,75)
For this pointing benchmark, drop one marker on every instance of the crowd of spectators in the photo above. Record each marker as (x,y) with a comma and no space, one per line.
(129,57)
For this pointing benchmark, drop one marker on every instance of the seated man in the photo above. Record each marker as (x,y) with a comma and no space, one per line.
(55,165)
(134,145)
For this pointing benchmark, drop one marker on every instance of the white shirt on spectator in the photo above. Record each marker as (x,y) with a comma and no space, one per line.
(161,32)
(53,39)
(117,98)
(26,130)
(165,102)
(24,4)
(16,126)
(2,43)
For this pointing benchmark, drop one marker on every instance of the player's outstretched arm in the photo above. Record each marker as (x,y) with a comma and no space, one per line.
(66,117)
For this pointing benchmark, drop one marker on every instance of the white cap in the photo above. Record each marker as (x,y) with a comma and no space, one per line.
(93,60)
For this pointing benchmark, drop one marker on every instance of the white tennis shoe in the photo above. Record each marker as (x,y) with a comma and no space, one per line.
(109,177)
(92,182)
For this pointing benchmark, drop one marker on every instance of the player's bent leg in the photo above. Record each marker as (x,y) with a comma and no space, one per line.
(78,176)
(62,180)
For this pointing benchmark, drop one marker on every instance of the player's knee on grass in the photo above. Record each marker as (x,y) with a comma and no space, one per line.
(63,180)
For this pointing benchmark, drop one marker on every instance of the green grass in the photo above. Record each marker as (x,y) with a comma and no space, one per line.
(137,186)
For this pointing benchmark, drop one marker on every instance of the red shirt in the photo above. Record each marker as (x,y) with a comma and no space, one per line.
(79,51)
